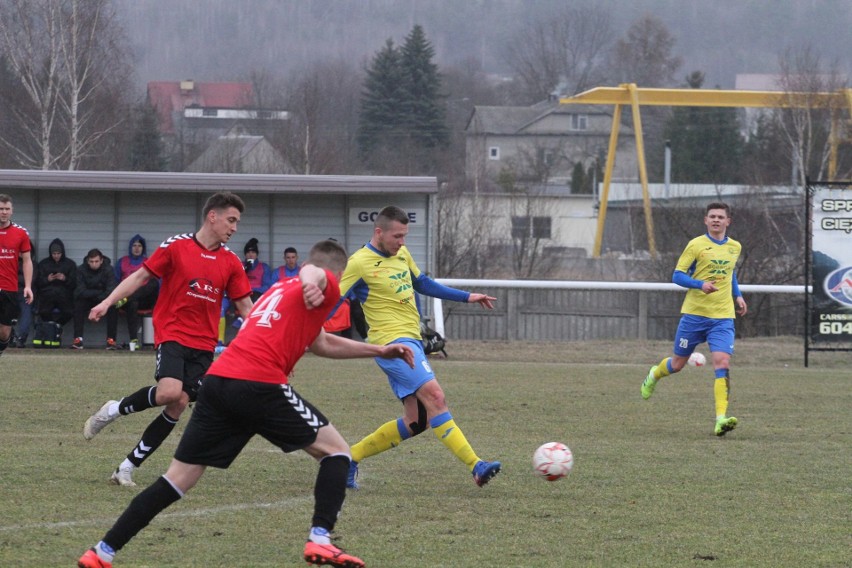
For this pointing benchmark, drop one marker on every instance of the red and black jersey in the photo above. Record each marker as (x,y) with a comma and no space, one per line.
(193,283)
(14,240)
(276,333)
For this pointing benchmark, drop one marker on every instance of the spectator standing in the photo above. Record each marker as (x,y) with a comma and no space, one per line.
(56,281)
(145,297)
(14,249)
(95,281)
(259,273)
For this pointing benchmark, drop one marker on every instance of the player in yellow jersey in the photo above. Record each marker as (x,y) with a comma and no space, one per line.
(384,277)
(707,268)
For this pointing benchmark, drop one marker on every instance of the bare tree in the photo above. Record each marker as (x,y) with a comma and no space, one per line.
(466,231)
(31,39)
(95,61)
(565,52)
(320,135)
(806,123)
(70,57)
(645,55)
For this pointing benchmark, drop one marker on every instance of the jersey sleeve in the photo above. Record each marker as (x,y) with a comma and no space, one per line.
(238,283)
(159,263)
(686,262)
(351,275)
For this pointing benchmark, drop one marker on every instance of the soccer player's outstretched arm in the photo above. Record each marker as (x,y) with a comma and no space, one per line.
(429,287)
(125,288)
(335,347)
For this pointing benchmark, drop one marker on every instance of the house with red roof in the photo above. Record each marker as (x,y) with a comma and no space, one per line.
(193,115)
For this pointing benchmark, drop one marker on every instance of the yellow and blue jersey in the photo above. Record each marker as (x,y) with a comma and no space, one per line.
(707,260)
(386,285)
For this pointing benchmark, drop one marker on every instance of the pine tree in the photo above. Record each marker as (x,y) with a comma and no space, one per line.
(706,143)
(384,104)
(427,120)
(147,152)
(402,120)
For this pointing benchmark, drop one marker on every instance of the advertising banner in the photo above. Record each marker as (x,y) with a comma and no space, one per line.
(830,308)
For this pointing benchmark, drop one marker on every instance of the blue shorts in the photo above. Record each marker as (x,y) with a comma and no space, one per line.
(404,381)
(692,330)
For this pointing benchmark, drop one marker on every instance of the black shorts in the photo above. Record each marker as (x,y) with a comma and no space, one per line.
(230,411)
(10,309)
(185,364)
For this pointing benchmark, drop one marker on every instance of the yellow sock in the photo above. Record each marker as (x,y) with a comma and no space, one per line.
(222,330)
(662,369)
(721,390)
(450,435)
(385,437)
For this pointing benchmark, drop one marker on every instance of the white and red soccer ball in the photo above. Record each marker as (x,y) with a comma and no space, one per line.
(696,360)
(553,461)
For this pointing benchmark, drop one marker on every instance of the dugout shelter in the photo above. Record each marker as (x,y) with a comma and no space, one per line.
(104,209)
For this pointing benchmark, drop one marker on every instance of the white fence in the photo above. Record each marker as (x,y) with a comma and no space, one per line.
(547,310)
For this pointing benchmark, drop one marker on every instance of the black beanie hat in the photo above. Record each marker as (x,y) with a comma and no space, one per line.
(251,245)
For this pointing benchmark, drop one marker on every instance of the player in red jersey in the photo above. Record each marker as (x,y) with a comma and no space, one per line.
(247,392)
(14,247)
(195,271)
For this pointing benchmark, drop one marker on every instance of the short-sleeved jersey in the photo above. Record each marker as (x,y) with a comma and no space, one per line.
(14,240)
(384,286)
(193,282)
(276,333)
(713,261)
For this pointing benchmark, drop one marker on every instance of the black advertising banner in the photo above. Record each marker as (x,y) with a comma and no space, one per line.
(831,265)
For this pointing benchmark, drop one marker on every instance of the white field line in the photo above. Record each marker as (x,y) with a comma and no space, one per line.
(285,504)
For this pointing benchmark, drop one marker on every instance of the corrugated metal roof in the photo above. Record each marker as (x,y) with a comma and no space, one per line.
(207,182)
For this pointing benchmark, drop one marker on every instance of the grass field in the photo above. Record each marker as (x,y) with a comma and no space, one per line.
(651,486)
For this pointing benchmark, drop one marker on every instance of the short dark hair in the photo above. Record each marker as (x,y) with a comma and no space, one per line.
(94,253)
(328,254)
(5,198)
(223,200)
(291,249)
(718,205)
(389,214)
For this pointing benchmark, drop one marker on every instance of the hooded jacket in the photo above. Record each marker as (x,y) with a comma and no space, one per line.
(56,290)
(95,285)
(129,264)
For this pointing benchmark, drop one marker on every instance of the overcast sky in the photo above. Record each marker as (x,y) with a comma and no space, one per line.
(210,40)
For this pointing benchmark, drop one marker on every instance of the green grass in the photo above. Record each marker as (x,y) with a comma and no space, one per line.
(651,486)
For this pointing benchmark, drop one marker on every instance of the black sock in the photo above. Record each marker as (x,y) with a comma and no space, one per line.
(157,431)
(5,344)
(143,399)
(330,490)
(140,512)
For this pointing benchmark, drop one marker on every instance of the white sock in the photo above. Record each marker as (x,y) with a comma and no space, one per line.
(127,464)
(319,535)
(113,409)
(105,552)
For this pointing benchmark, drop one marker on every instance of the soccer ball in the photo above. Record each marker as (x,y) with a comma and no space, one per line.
(696,360)
(553,461)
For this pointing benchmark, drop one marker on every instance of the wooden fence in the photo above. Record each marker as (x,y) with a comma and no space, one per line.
(580,311)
